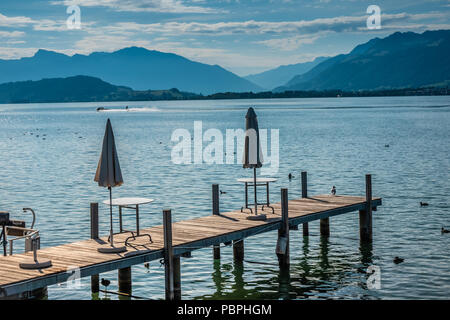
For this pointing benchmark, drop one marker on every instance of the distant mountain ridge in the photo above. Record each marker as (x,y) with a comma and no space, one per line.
(276,77)
(134,67)
(89,89)
(80,89)
(401,60)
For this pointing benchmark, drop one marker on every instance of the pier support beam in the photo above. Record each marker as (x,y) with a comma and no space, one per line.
(365,216)
(125,282)
(95,279)
(325,227)
(238,250)
(282,250)
(176,278)
(95,286)
(38,294)
(216,211)
(168,255)
(305,195)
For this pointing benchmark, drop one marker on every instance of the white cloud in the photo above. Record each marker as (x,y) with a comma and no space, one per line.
(18,21)
(13,34)
(252,27)
(14,53)
(169,6)
(288,44)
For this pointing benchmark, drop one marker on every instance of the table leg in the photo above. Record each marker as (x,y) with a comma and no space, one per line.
(120,219)
(267,191)
(137,220)
(246,195)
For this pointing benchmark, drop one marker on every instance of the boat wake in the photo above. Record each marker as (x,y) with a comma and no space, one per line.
(153,109)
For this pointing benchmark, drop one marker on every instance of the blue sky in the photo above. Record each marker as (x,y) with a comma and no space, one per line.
(244,36)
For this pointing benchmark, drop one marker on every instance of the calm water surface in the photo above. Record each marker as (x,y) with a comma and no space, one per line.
(49,153)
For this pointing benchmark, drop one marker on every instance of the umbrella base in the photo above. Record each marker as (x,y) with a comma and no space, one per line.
(258,217)
(112,249)
(36,265)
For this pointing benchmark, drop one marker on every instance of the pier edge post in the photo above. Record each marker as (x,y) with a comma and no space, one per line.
(95,279)
(216,211)
(325,227)
(168,254)
(238,250)
(283,232)
(94,220)
(125,282)
(305,195)
(365,216)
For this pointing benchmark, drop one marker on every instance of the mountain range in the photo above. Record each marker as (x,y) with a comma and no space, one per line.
(401,60)
(89,89)
(134,67)
(273,78)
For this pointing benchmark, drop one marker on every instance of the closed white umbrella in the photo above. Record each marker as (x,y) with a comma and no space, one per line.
(252,157)
(109,175)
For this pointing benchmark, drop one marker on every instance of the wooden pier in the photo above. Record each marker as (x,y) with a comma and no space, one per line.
(173,240)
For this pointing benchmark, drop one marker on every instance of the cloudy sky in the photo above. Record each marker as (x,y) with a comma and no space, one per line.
(244,36)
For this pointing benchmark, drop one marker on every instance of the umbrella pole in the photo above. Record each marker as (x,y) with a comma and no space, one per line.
(256,198)
(110,218)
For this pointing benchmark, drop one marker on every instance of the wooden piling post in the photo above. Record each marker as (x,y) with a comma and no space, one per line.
(95,279)
(216,211)
(305,195)
(283,232)
(238,250)
(125,282)
(38,294)
(168,254)
(365,216)
(325,227)
(177,277)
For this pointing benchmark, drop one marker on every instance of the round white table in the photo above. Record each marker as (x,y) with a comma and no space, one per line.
(130,203)
(250,182)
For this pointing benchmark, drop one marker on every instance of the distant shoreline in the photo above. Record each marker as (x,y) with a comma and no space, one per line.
(140,96)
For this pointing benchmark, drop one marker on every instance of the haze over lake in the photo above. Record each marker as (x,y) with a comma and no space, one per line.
(49,154)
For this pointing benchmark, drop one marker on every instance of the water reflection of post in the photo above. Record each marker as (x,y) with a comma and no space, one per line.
(217,278)
(284,281)
(238,271)
(365,250)
(323,255)
(304,260)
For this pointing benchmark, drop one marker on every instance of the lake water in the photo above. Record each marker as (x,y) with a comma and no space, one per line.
(49,154)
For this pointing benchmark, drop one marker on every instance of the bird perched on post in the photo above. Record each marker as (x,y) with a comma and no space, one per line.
(333,191)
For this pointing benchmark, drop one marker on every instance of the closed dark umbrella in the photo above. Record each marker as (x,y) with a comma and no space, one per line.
(252,157)
(109,175)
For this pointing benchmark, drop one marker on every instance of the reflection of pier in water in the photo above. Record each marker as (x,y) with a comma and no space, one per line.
(307,276)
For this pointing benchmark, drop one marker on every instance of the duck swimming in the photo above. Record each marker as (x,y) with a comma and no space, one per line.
(398,260)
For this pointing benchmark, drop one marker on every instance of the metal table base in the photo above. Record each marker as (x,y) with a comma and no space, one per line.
(264,204)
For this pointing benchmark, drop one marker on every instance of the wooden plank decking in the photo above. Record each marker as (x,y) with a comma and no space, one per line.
(188,235)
